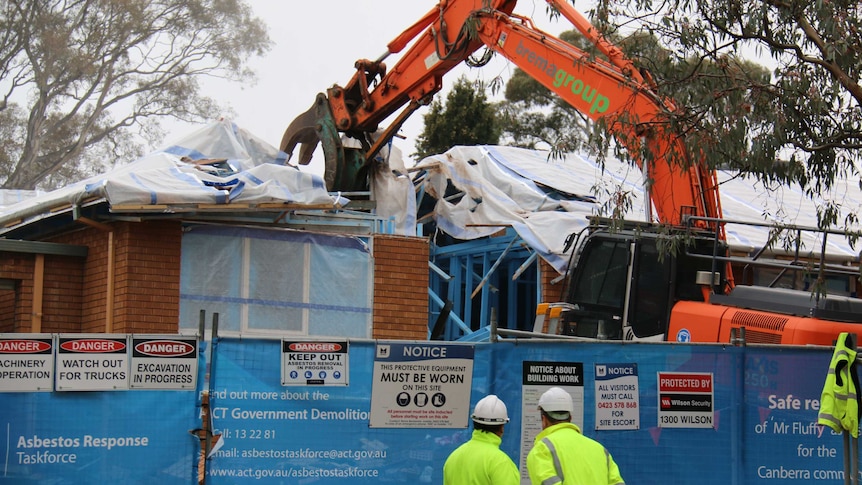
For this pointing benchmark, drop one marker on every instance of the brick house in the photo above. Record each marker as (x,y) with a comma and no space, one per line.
(217,224)
(122,274)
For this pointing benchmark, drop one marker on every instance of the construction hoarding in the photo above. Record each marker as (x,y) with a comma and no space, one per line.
(762,413)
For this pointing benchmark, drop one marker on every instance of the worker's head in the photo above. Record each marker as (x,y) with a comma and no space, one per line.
(490,415)
(556,405)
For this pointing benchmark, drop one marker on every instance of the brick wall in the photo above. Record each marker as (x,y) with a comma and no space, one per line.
(61,294)
(550,292)
(17,304)
(400,288)
(146,283)
(94,278)
(146,277)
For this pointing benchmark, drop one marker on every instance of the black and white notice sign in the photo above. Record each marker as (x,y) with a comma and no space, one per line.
(421,385)
(26,362)
(92,362)
(164,362)
(536,378)
(309,363)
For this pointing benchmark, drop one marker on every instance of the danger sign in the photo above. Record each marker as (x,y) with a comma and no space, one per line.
(92,363)
(26,362)
(306,363)
(160,362)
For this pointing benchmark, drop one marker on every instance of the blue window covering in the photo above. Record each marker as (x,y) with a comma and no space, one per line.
(265,281)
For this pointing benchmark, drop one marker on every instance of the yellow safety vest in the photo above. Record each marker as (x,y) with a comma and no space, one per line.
(480,461)
(839,405)
(562,455)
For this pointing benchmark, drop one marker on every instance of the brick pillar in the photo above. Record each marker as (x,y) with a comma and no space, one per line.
(400,288)
(147,277)
(551,293)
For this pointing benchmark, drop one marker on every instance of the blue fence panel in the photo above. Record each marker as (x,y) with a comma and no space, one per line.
(99,437)
(764,431)
(315,433)
(649,455)
(782,443)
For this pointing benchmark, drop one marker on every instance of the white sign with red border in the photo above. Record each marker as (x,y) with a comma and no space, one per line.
(26,362)
(92,362)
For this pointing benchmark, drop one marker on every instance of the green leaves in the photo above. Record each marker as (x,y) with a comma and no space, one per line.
(800,124)
(467,118)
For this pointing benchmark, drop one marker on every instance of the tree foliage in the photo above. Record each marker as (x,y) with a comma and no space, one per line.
(467,118)
(802,124)
(77,75)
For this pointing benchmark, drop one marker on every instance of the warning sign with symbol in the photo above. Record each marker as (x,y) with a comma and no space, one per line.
(309,363)
(421,385)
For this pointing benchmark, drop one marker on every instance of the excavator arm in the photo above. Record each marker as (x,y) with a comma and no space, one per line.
(440,41)
(613,91)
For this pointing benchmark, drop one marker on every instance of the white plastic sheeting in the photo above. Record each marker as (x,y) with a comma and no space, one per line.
(253,172)
(544,199)
(249,170)
(508,186)
(297,282)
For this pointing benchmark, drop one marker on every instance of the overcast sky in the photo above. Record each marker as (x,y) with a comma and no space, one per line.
(315,44)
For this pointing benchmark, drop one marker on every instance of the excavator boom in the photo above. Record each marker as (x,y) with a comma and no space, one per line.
(613,91)
(644,293)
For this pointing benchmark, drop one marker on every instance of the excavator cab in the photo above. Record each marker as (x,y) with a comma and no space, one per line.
(627,281)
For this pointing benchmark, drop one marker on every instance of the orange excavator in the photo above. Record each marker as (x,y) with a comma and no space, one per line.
(622,283)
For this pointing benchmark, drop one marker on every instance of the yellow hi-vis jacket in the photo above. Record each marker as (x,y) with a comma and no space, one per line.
(562,455)
(839,405)
(480,461)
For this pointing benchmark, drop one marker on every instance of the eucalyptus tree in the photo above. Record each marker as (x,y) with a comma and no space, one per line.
(81,80)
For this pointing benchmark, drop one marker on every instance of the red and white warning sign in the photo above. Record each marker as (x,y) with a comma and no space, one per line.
(92,362)
(309,363)
(164,362)
(26,362)
(685,400)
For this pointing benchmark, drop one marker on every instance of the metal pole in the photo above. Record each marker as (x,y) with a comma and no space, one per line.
(847,467)
(211,381)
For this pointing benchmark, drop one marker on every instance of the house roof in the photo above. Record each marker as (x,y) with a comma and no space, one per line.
(221,170)
(218,168)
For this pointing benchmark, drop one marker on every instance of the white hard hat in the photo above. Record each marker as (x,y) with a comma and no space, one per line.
(490,410)
(555,400)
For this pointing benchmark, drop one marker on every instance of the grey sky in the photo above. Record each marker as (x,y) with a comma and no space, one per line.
(315,46)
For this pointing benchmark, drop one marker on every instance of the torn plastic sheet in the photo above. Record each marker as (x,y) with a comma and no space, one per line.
(171,176)
(546,199)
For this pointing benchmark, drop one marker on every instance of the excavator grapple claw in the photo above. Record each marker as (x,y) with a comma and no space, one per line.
(304,130)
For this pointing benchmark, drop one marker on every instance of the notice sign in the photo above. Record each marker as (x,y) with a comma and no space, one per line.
(617,396)
(685,400)
(307,363)
(161,362)
(92,362)
(536,378)
(421,386)
(26,362)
